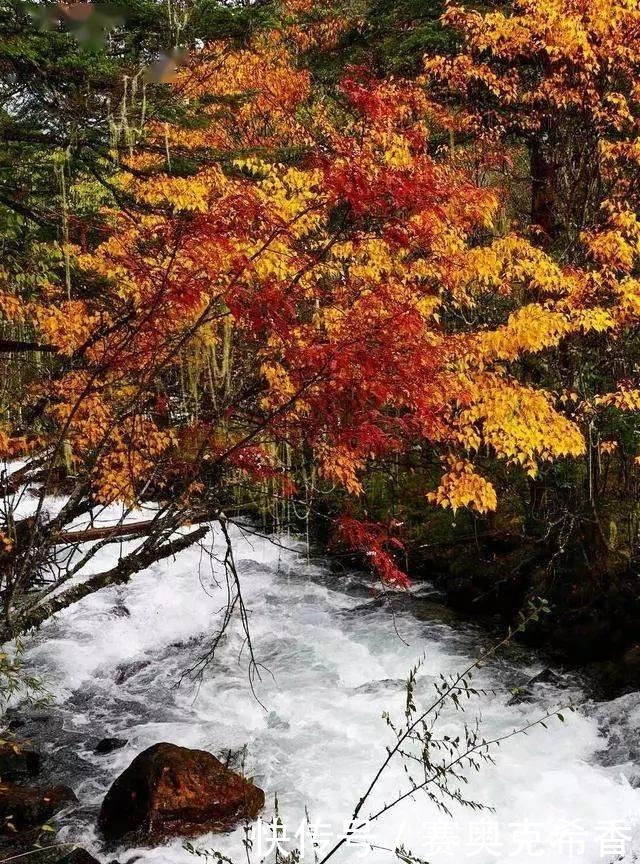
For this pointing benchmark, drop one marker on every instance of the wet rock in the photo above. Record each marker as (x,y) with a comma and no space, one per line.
(33,720)
(521,695)
(108,745)
(619,725)
(381,685)
(78,856)
(171,791)
(127,670)
(18,760)
(370,608)
(634,780)
(274,721)
(24,807)
(525,692)
(429,610)
(547,676)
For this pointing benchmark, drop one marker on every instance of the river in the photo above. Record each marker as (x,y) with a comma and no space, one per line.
(334,658)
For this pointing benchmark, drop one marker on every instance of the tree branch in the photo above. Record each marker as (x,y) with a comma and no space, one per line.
(118,575)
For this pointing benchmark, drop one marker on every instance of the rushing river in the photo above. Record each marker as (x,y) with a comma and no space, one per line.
(334,658)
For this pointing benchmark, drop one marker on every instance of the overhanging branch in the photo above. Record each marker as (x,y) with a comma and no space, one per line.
(118,575)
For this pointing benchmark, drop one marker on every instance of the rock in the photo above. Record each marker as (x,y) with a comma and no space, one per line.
(25,807)
(525,693)
(108,745)
(77,856)
(127,670)
(381,685)
(276,722)
(18,760)
(547,676)
(171,791)
(32,719)
(520,695)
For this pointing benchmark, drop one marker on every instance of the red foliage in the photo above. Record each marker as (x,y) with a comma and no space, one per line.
(377,544)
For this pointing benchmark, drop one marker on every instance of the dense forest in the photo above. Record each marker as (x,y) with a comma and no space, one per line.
(365,273)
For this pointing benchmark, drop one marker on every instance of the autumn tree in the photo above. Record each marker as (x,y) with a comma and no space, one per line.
(543,98)
(275,306)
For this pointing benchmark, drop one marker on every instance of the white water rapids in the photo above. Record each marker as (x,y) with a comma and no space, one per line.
(334,659)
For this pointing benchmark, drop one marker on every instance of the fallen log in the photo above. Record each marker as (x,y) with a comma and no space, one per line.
(86,535)
(126,529)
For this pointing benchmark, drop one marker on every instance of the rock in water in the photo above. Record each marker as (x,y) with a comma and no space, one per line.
(108,745)
(170,791)
(24,807)
(77,856)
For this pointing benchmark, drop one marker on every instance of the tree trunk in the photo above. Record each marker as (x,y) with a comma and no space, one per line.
(543,182)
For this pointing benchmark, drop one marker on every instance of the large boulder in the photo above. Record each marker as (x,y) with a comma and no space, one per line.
(170,791)
(25,807)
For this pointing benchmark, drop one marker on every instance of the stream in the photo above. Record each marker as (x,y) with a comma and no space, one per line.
(334,657)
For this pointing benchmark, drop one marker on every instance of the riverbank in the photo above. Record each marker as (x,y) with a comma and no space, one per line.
(593,625)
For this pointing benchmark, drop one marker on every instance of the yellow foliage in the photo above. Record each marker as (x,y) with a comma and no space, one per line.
(463,487)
